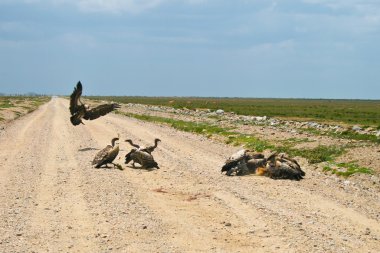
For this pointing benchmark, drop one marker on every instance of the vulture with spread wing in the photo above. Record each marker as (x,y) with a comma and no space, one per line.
(81,111)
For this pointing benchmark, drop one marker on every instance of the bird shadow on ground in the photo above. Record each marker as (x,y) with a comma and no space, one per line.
(87,149)
(118,167)
(91,148)
(141,168)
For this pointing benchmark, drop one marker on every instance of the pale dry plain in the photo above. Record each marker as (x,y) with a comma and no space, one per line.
(52,200)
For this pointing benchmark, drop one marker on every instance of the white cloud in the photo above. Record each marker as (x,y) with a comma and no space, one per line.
(112,6)
(116,6)
(362,6)
(195,1)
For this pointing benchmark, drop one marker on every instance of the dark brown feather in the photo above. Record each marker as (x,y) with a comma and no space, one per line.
(100,110)
(74,98)
(145,159)
(106,155)
(133,144)
(80,111)
(253,164)
(234,160)
(283,172)
(150,149)
(102,155)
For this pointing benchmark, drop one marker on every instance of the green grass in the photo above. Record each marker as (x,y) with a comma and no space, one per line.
(348,134)
(5,104)
(294,141)
(315,155)
(361,112)
(194,127)
(24,102)
(249,141)
(352,135)
(347,169)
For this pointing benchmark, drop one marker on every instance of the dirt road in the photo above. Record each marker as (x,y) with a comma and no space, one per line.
(52,200)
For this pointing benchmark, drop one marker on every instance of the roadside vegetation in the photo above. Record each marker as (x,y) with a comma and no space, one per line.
(347,134)
(346,169)
(315,155)
(361,112)
(5,103)
(19,105)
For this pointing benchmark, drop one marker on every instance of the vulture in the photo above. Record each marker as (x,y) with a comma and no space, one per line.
(149,149)
(275,166)
(283,167)
(107,155)
(142,157)
(81,111)
(241,156)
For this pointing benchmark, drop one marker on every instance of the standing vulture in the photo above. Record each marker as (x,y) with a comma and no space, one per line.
(79,110)
(107,155)
(142,157)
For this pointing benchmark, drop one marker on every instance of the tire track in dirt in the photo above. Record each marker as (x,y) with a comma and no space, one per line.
(14,140)
(19,174)
(61,213)
(40,199)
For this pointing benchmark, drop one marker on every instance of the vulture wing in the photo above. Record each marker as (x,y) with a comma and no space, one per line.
(100,110)
(293,164)
(283,171)
(129,156)
(145,159)
(253,155)
(234,160)
(74,98)
(102,155)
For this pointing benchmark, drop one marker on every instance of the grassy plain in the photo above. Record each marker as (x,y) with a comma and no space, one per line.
(12,107)
(361,112)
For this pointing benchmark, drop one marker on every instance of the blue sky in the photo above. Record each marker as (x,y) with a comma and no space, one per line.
(228,48)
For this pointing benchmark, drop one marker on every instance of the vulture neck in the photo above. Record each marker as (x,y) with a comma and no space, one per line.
(113,142)
(156,142)
(132,144)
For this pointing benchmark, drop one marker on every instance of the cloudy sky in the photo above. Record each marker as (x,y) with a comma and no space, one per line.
(229,48)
